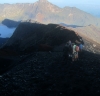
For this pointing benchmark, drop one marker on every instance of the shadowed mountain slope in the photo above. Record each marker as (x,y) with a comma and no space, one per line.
(47,73)
(3,41)
(46,12)
(32,34)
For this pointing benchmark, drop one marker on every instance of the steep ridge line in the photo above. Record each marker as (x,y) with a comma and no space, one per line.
(31,35)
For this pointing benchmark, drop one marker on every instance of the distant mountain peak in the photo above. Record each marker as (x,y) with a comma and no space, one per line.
(45,12)
(43,0)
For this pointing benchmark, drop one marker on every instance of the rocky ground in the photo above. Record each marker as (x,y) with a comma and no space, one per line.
(47,74)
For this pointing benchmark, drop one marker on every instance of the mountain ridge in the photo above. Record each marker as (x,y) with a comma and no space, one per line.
(30,34)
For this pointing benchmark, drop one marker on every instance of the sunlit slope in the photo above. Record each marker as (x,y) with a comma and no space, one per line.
(92,32)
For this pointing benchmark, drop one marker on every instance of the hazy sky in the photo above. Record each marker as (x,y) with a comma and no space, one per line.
(60,3)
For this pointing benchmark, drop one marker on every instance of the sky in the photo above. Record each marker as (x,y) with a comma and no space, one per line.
(60,3)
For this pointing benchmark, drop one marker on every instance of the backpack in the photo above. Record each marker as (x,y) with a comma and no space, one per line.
(76,48)
(80,46)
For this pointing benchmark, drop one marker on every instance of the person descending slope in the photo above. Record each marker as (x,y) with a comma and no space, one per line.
(69,42)
(71,51)
(68,50)
(75,52)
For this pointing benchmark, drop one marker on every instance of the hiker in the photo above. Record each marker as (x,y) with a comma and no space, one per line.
(81,47)
(75,52)
(69,42)
(68,50)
